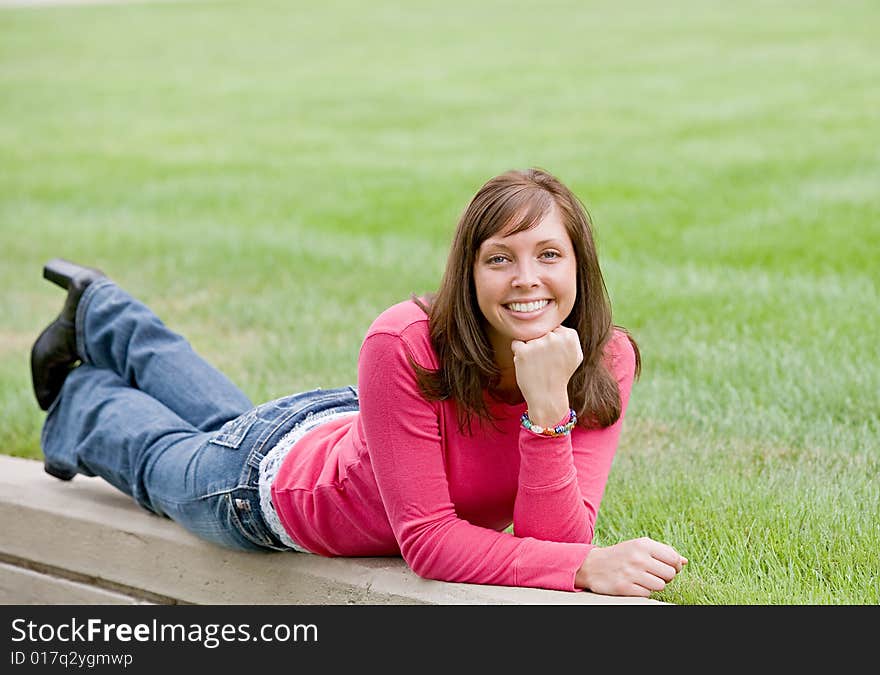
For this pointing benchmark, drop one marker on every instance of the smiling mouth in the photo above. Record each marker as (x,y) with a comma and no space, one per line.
(527,307)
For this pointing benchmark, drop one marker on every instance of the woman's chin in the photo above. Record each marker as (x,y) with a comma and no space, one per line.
(534,333)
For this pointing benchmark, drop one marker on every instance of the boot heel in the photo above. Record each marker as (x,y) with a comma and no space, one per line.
(60,272)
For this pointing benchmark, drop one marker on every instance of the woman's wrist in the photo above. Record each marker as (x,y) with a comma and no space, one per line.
(561,428)
(549,414)
(582,576)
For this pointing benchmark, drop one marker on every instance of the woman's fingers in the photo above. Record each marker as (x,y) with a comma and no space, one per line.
(650,581)
(666,554)
(662,570)
(637,590)
(633,567)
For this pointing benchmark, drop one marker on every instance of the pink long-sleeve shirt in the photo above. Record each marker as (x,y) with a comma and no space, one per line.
(399,478)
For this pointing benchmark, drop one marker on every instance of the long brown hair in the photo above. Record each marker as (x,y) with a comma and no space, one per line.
(517,201)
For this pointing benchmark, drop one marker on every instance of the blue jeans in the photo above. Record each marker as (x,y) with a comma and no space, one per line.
(147,414)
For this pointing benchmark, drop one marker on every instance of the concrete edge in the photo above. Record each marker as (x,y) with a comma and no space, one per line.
(61,537)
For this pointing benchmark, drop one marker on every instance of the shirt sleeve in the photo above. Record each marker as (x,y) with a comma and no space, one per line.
(562,479)
(402,432)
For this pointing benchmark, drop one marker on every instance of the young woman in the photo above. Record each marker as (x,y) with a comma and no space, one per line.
(498,400)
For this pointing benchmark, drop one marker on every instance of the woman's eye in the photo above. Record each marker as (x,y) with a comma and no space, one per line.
(496,259)
(550,254)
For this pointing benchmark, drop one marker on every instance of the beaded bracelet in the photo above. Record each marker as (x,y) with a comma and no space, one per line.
(559,430)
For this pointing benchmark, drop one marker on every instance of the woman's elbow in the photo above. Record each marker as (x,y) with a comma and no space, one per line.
(420,558)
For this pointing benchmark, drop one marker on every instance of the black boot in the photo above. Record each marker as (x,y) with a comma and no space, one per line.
(54,352)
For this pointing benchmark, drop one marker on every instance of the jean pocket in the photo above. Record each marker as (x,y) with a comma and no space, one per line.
(233,432)
(245,517)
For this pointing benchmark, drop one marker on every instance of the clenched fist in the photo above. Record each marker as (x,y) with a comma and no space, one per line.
(635,567)
(543,368)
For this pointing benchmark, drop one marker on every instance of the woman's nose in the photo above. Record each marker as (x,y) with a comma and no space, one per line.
(526,275)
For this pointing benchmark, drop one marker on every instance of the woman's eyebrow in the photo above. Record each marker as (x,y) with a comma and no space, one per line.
(489,243)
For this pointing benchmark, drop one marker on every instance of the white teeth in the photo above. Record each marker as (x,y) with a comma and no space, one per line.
(528,306)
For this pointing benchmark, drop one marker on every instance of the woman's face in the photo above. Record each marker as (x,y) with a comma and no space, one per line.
(526,283)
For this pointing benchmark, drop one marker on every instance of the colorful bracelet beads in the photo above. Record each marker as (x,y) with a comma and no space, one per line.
(559,430)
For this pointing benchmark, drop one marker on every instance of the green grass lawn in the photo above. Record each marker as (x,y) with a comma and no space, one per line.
(269,176)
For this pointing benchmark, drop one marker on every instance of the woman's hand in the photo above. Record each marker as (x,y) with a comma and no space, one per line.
(635,567)
(543,368)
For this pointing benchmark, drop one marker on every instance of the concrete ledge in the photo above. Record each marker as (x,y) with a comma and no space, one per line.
(83,542)
(26,587)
